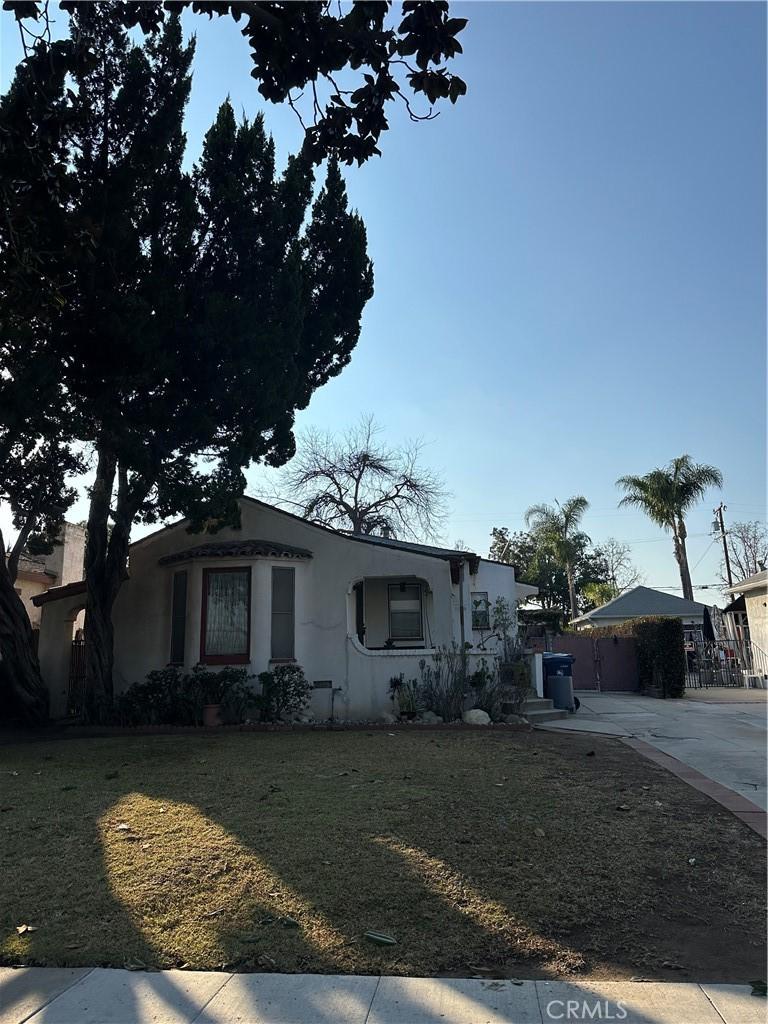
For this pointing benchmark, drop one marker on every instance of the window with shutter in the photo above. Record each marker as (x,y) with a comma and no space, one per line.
(283,618)
(178,617)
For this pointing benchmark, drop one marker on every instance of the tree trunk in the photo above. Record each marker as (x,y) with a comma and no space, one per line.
(685,573)
(99,635)
(106,567)
(28,692)
(572,592)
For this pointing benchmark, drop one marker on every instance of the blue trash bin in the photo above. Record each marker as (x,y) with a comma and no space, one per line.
(558,680)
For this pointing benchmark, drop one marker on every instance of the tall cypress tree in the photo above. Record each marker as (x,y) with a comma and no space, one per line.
(198,312)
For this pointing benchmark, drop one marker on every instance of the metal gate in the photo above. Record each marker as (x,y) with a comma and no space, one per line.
(602,663)
(76,686)
(723,663)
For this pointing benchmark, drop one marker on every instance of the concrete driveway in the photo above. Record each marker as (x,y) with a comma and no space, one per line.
(720,732)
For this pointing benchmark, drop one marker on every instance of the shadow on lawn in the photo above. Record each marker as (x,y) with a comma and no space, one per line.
(225,857)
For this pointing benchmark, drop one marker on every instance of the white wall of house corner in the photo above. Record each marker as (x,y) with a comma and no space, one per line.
(756,604)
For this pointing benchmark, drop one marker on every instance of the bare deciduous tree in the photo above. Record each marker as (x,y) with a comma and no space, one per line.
(748,549)
(620,571)
(358,482)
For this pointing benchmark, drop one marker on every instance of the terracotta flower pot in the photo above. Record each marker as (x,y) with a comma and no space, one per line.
(211,715)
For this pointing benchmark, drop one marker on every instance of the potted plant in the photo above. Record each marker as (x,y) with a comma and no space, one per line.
(214,687)
(407,694)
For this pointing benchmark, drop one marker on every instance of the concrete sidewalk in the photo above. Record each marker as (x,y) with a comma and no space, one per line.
(97,996)
(722,735)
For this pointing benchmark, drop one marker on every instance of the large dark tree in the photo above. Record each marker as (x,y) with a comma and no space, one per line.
(297,48)
(36,414)
(198,312)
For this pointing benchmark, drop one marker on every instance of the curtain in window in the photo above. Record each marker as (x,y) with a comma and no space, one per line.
(226,616)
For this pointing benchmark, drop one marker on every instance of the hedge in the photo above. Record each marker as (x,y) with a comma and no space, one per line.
(659,649)
(660,655)
(550,618)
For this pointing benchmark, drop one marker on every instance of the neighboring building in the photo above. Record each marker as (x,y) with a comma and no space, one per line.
(749,613)
(353,610)
(642,601)
(37,574)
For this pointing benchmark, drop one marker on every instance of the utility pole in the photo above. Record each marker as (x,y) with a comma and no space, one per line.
(720,526)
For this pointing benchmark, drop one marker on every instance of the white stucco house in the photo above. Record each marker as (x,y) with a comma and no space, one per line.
(747,617)
(352,610)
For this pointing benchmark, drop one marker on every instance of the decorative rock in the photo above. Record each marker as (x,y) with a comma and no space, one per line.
(387,719)
(430,718)
(476,717)
(514,720)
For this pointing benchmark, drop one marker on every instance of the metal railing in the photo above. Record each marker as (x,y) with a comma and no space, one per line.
(723,663)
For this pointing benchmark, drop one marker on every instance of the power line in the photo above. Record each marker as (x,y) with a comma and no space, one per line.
(707,549)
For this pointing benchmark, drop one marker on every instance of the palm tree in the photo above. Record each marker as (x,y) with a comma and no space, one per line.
(666,495)
(557,529)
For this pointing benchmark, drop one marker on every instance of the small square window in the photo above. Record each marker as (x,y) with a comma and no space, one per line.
(481,610)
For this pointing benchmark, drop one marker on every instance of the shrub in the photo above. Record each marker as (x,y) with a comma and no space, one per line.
(166,697)
(660,655)
(170,696)
(285,691)
(515,684)
(443,683)
(489,694)
(547,618)
(408,694)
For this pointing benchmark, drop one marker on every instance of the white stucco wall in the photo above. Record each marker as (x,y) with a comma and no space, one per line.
(326,644)
(28,588)
(757,616)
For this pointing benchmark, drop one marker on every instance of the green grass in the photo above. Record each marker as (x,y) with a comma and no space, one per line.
(498,853)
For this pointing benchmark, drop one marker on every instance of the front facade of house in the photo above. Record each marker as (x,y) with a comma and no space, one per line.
(640,602)
(352,611)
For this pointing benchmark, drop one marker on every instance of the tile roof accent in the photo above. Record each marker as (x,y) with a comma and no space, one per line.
(236,549)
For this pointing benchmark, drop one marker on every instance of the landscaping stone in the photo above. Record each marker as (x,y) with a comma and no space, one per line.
(514,720)
(387,719)
(430,718)
(476,717)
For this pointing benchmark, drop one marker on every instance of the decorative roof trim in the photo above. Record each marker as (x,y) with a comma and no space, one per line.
(57,593)
(250,548)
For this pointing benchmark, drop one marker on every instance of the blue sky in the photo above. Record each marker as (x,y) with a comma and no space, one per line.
(570,264)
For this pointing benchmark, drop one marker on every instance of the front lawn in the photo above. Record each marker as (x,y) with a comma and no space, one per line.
(500,853)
